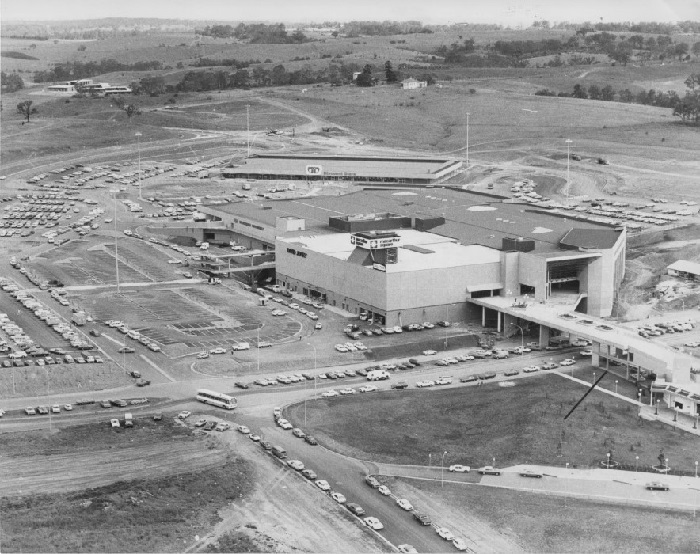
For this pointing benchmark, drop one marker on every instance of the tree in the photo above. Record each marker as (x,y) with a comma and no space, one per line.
(626,96)
(12,82)
(153,85)
(25,108)
(364,79)
(391,76)
(607,93)
(696,49)
(580,92)
(680,50)
(594,92)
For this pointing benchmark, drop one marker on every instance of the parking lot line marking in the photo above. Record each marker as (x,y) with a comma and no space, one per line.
(153,364)
(115,341)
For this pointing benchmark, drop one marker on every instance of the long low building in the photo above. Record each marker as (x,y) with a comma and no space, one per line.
(356,169)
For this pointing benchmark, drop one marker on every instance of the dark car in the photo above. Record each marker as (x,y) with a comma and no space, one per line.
(414,362)
(266,445)
(656,486)
(468,379)
(400,385)
(331,375)
(42,410)
(511,372)
(95,333)
(311,440)
(126,350)
(106,404)
(361,372)
(135,374)
(355,509)
(157,417)
(209,426)
(372,482)
(241,385)
(422,518)
(119,403)
(142,382)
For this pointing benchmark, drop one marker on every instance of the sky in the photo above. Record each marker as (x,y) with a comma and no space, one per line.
(505,12)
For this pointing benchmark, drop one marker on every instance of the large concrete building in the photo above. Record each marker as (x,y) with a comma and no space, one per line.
(355,169)
(407,256)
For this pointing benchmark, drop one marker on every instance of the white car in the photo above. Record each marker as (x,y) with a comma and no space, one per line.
(323,485)
(428,325)
(407,549)
(339,498)
(568,361)
(421,384)
(443,381)
(384,490)
(460,469)
(429,352)
(404,504)
(243,429)
(347,391)
(445,533)
(218,351)
(184,415)
(531,369)
(460,544)
(368,388)
(329,394)
(373,523)
(586,353)
(56,409)
(68,407)
(296,464)
(286,425)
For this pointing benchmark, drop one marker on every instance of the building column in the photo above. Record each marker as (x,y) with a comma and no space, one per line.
(508,328)
(483,316)
(499,322)
(544,336)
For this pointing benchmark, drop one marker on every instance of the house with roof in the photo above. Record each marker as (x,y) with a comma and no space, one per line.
(411,84)
(685,269)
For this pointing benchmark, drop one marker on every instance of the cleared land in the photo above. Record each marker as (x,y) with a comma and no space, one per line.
(516,425)
(540,523)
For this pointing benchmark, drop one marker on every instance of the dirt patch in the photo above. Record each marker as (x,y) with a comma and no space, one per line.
(161,514)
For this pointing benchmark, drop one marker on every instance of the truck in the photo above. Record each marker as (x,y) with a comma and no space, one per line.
(79,318)
(128,420)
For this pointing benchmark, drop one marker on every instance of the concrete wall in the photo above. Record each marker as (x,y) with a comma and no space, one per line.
(532,271)
(417,289)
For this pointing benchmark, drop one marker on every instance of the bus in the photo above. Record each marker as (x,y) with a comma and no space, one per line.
(216,399)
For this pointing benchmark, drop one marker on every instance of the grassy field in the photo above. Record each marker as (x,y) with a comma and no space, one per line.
(542,523)
(34,381)
(433,119)
(516,425)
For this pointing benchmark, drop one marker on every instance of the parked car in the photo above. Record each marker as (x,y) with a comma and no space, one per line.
(656,486)
(488,470)
(460,468)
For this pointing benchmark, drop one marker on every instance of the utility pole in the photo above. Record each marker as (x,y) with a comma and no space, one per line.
(138,143)
(247,118)
(116,237)
(467,139)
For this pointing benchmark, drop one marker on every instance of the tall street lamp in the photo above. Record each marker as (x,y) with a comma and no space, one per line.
(442,469)
(568,159)
(467,139)
(116,237)
(138,147)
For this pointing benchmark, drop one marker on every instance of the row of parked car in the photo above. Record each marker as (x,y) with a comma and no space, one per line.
(354,331)
(134,335)
(666,327)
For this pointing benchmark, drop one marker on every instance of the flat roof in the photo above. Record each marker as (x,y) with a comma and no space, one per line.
(686,267)
(417,250)
(470,218)
(385,167)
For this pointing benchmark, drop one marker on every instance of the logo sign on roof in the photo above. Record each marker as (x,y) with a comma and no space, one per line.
(314,170)
(374,244)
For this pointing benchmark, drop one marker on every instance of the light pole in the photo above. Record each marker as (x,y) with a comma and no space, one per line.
(657,406)
(636,464)
(568,159)
(608,455)
(467,140)
(430,459)
(442,469)
(116,237)
(639,400)
(522,338)
(138,147)
(247,118)
(594,378)
(696,469)
(615,386)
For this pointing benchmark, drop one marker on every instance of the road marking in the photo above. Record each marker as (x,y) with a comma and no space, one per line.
(154,366)
(115,341)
